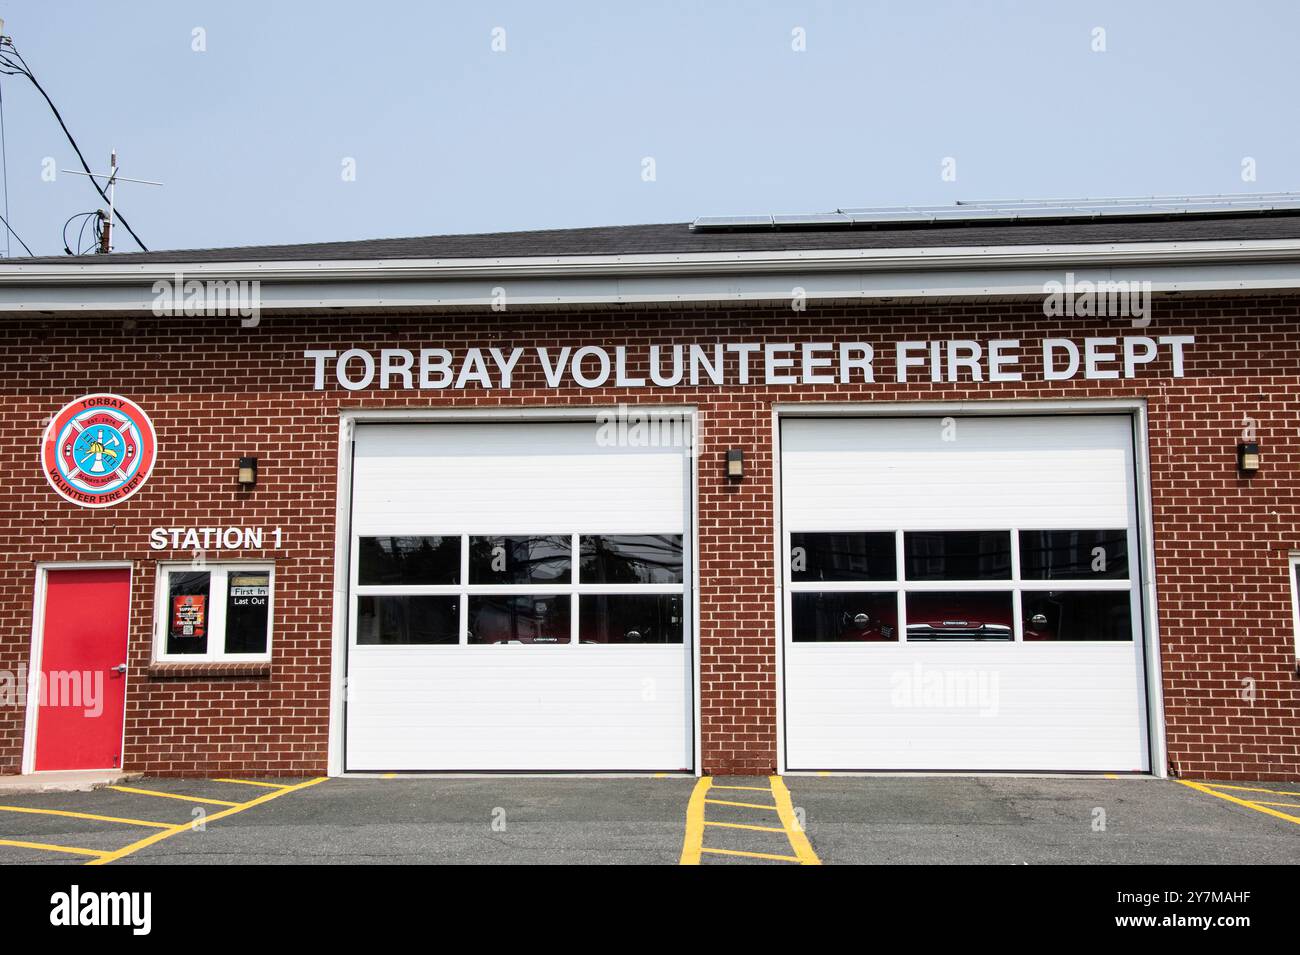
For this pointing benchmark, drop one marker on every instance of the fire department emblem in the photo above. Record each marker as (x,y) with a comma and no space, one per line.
(98,450)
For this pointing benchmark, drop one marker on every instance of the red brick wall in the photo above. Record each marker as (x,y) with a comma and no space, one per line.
(216,391)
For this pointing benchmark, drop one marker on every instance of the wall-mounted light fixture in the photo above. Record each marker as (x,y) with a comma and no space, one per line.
(1248,458)
(735,464)
(247,472)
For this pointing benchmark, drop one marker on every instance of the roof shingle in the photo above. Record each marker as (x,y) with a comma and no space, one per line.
(676,237)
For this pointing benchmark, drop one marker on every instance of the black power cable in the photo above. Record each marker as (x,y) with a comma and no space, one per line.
(7,55)
(96,216)
(15,234)
(4,162)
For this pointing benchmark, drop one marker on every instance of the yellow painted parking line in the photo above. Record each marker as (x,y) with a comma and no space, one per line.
(150,792)
(691,844)
(389,776)
(1252,789)
(45,847)
(86,815)
(750,855)
(803,849)
(108,857)
(250,782)
(744,825)
(743,805)
(1289,805)
(1242,802)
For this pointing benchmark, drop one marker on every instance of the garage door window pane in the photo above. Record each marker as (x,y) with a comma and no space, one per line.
(519,619)
(954,616)
(407,620)
(822,617)
(1077,615)
(248,604)
(1074,555)
(957,555)
(189,605)
(630,618)
(520,560)
(631,559)
(843,556)
(408,560)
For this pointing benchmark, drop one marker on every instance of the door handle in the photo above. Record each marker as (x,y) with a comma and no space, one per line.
(120,668)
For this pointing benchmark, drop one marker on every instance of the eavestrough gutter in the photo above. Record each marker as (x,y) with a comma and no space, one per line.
(104,284)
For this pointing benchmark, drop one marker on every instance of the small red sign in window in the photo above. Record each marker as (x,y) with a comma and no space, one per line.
(189,615)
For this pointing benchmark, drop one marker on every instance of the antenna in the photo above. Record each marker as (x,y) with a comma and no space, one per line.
(106,240)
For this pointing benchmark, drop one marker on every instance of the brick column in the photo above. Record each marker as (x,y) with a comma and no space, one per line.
(738,635)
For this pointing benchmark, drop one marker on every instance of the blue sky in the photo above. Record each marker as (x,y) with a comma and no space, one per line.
(250,135)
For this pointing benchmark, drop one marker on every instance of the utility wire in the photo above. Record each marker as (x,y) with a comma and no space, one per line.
(97,217)
(7,57)
(4,160)
(81,234)
(15,235)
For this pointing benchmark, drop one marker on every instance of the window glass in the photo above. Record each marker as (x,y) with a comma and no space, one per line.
(1076,615)
(248,605)
(631,559)
(188,611)
(821,617)
(408,560)
(1295,604)
(833,556)
(407,619)
(524,618)
(957,555)
(959,616)
(1074,555)
(520,560)
(630,618)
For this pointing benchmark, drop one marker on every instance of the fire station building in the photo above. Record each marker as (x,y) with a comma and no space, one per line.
(987,488)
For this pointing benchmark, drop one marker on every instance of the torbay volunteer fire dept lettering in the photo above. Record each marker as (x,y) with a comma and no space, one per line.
(748,363)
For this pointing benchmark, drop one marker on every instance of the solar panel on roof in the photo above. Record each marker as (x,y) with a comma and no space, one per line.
(1015,210)
(815,220)
(731,222)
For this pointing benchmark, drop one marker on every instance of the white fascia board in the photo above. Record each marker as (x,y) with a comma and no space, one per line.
(96,272)
(865,274)
(371,296)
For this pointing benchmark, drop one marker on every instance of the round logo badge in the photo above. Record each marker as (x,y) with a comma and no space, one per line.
(98,450)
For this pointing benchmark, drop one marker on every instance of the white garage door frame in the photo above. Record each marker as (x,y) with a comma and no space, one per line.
(1136,409)
(349,420)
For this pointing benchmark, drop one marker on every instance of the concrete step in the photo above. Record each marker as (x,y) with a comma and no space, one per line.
(64,781)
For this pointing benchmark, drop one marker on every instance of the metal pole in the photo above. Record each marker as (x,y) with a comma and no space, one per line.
(106,243)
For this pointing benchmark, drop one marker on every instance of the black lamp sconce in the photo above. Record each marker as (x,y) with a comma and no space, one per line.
(247,472)
(735,464)
(1247,458)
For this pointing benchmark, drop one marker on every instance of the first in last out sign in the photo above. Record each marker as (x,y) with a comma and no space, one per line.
(745,363)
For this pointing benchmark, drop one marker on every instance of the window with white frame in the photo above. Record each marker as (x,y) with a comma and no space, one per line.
(952,586)
(214,613)
(559,589)
(1293,570)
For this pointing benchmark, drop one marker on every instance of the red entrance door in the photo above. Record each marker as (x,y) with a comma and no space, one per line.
(83,669)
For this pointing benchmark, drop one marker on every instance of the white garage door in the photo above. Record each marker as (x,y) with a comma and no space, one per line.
(519,601)
(962,594)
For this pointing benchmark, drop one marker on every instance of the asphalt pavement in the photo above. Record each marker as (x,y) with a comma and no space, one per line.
(570,820)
